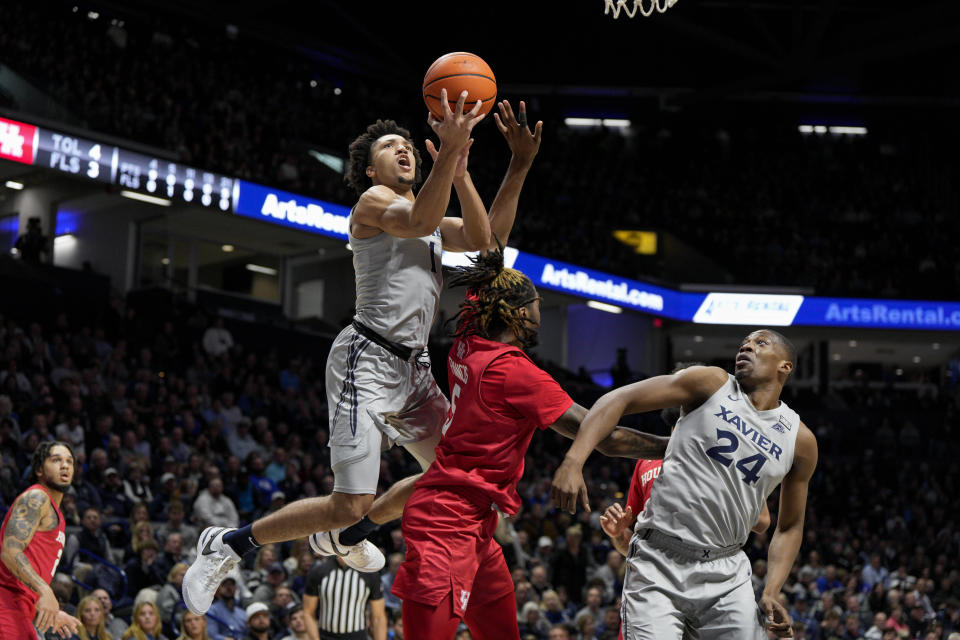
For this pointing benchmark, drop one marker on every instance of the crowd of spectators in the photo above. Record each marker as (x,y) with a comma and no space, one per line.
(173,432)
(871,215)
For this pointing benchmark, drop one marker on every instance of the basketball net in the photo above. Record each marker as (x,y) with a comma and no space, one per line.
(616,6)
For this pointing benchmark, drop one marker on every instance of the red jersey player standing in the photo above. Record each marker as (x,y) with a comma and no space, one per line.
(498,398)
(32,541)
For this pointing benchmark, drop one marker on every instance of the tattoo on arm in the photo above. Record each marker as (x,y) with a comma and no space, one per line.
(23,523)
(627,443)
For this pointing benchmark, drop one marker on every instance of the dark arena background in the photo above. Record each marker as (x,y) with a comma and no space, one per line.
(174,267)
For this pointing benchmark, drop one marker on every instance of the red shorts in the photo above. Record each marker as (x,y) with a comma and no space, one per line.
(451,550)
(16,616)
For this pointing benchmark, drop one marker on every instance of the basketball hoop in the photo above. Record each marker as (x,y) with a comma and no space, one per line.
(616,6)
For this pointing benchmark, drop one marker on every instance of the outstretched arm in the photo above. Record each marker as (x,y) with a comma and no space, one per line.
(524,146)
(687,388)
(789,532)
(28,511)
(622,442)
(472,231)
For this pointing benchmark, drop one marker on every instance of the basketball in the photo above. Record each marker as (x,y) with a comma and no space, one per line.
(457,72)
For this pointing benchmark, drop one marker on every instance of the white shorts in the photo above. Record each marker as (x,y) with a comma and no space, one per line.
(364,383)
(665,594)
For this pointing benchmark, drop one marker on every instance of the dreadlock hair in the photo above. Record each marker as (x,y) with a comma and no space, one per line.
(495,296)
(42,452)
(360,153)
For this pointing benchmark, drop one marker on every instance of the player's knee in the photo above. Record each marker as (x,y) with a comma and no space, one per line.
(353,506)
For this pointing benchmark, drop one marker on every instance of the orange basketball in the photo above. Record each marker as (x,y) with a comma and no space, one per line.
(457,72)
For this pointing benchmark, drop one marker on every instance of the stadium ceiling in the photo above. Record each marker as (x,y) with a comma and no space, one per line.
(886,49)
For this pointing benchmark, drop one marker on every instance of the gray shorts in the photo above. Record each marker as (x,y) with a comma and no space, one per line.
(666,595)
(365,382)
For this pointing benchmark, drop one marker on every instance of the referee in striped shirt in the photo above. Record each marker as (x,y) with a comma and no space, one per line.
(335,603)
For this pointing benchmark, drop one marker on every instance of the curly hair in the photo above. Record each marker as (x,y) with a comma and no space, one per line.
(495,296)
(360,153)
(42,452)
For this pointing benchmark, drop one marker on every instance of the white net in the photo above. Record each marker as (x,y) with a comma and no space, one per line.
(646,8)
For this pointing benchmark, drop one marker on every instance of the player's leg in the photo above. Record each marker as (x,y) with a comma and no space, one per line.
(429,622)
(649,610)
(731,611)
(422,418)
(353,381)
(492,612)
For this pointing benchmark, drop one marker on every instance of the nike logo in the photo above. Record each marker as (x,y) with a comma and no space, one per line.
(333,545)
(207,550)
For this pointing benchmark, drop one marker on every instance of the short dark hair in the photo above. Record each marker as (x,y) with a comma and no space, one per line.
(360,153)
(788,347)
(42,452)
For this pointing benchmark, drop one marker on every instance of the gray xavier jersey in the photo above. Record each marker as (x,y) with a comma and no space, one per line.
(398,285)
(723,460)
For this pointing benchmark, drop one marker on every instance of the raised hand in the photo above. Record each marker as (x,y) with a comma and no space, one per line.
(615,520)
(454,130)
(523,144)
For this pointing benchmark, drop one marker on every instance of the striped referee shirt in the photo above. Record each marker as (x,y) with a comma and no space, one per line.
(342,596)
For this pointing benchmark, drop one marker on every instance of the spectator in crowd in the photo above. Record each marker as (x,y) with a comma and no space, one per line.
(298,627)
(532,624)
(145,623)
(828,581)
(390,601)
(593,604)
(610,574)
(90,538)
(226,608)
(193,627)
(142,570)
(115,626)
(170,594)
(92,619)
(875,572)
(173,552)
(115,500)
(213,508)
(276,576)
(258,622)
(175,524)
(875,632)
(570,564)
(165,494)
(560,632)
(553,609)
(141,532)
(134,486)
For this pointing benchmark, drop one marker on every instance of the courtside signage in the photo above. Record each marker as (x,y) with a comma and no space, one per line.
(17,141)
(748,308)
(880,314)
(291,209)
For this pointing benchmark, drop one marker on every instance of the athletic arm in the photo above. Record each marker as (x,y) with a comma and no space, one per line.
(788,534)
(621,442)
(310,616)
(524,146)
(28,512)
(381,208)
(472,231)
(378,622)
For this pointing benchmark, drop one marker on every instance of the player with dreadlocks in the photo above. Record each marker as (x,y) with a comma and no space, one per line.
(498,398)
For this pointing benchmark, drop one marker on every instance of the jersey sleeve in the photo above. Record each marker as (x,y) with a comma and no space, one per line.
(634,493)
(512,382)
(314,576)
(375,585)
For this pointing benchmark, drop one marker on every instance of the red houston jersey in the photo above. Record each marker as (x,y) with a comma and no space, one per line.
(641,484)
(498,398)
(43,552)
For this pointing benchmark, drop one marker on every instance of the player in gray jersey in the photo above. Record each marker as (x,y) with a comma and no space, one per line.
(380,390)
(734,444)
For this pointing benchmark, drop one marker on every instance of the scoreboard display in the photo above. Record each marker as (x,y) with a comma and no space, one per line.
(95,160)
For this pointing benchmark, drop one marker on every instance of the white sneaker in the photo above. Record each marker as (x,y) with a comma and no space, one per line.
(214,561)
(363,556)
